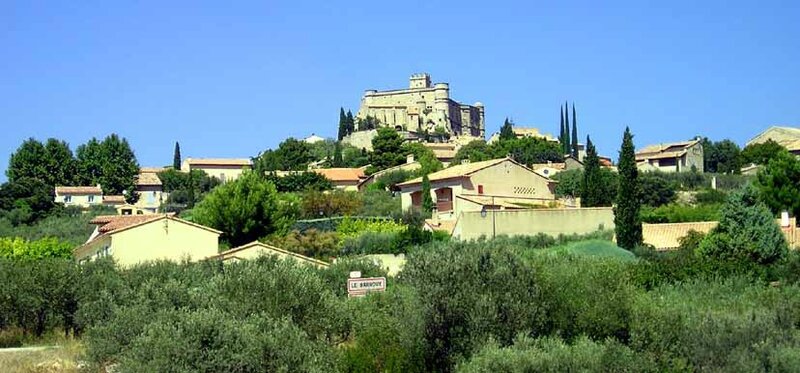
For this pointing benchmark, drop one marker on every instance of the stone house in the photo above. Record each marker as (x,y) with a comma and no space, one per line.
(788,137)
(671,157)
(79,196)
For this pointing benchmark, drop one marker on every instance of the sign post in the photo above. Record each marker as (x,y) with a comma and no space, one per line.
(359,287)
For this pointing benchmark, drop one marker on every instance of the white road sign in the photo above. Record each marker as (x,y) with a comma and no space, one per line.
(361,286)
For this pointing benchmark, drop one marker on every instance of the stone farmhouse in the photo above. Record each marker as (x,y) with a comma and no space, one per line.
(671,157)
(422,107)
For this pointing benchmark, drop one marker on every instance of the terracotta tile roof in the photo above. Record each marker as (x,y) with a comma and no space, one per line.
(606,162)
(462,170)
(148,178)
(667,236)
(78,190)
(110,223)
(666,150)
(219,161)
(114,199)
(342,174)
(557,166)
(153,170)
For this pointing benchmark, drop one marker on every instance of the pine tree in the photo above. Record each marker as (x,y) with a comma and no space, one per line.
(176,157)
(507,131)
(427,201)
(567,139)
(591,189)
(342,124)
(626,212)
(575,133)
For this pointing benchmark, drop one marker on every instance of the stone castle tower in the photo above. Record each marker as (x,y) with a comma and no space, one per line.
(423,107)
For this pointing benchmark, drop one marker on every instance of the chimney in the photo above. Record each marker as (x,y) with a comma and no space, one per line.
(784,219)
(410,158)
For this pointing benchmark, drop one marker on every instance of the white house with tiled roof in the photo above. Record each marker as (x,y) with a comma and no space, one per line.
(224,169)
(134,239)
(671,157)
(494,184)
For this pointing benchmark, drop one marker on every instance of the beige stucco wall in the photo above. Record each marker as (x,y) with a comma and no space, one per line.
(150,198)
(254,252)
(164,239)
(471,225)
(511,180)
(223,173)
(81,200)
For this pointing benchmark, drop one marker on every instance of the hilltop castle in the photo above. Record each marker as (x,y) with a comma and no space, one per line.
(423,107)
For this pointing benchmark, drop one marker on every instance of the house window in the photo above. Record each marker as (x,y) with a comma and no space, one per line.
(480,189)
(67,199)
(91,199)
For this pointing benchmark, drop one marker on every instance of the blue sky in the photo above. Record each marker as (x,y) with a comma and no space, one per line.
(229,79)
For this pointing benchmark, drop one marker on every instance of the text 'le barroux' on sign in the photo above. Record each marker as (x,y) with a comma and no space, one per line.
(358,287)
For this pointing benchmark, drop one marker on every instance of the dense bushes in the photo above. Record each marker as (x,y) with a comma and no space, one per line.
(679,213)
(18,248)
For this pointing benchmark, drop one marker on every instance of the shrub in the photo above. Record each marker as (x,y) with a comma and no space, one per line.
(210,341)
(728,325)
(350,227)
(554,355)
(585,295)
(471,293)
(379,203)
(369,243)
(17,248)
(678,213)
(656,190)
(746,232)
(312,243)
(316,204)
(389,334)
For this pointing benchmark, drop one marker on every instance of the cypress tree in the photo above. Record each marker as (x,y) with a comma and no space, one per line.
(561,134)
(567,143)
(351,123)
(176,157)
(338,160)
(427,201)
(507,131)
(591,190)
(342,124)
(575,134)
(626,212)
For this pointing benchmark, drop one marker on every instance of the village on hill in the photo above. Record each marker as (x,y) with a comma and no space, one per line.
(486,230)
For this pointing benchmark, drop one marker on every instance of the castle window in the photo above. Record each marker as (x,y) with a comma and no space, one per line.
(480,189)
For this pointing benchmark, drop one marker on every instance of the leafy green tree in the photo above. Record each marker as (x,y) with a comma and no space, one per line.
(722,156)
(427,201)
(591,187)
(300,181)
(90,162)
(746,232)
(656,189)
(387,149)
(761,153)
(243,209)
(528,150)
(119,168)
(26,162)
(354,157)
(507,131)
(291,155)
(627,220)
(26,200)
(176,157)
(60,163)
(185,188)
(778,184)
(425,156)
(474,151)
(574,132)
